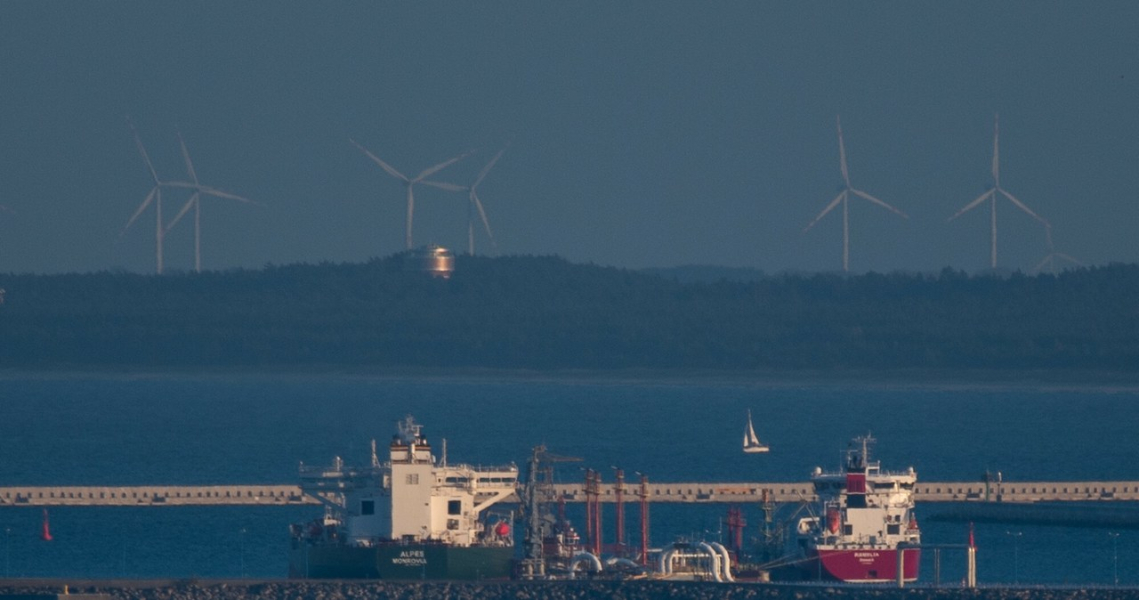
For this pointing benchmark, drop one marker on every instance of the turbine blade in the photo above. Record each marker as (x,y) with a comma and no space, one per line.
(1021,206)
(842,152)
(185,209)
(1040,265)
(142,151)
(1069,259)
(488,167)
(383,165)
(971,205)
(450,187)
(996,150)
(186,155)
(140,210)
(880,203)
(205,189)
(826,210)
(440,166)
(485,222)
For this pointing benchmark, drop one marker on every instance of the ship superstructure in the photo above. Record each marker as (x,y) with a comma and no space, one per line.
(866,526)
(413,517)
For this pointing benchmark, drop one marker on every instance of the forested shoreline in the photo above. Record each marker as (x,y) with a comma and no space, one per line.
(544,313)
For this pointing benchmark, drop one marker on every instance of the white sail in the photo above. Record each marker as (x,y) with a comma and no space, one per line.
(751,442)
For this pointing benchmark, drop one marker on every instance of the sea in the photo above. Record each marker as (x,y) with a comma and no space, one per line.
(249,428)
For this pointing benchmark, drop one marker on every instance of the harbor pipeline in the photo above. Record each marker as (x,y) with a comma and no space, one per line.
(694,492)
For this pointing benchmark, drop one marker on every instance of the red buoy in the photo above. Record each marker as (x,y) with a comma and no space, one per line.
(46,534)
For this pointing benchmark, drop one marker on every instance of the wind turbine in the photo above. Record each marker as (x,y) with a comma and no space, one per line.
(195,202)
(1050,259)
(473,202)
(843,198)
(409,183)
(991,195)
(154,195)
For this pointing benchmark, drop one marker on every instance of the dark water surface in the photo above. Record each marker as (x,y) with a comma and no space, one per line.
(217,429)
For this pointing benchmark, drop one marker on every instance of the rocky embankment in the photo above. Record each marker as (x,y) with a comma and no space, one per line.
(571,590)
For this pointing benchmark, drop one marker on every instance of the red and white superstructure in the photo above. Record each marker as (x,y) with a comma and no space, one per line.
(866,525)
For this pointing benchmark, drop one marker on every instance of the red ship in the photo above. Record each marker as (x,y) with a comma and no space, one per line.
(866,530)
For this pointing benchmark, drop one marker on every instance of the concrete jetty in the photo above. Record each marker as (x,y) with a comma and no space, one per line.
(153,495)
(692,492)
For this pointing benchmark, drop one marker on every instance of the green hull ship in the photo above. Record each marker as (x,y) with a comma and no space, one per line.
(400,561)
(408,519)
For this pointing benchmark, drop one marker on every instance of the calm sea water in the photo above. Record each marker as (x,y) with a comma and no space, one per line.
(209,429)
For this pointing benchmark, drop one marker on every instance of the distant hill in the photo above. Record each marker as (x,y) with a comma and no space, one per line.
(535,312)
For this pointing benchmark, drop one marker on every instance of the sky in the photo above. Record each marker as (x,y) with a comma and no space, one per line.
(637,134)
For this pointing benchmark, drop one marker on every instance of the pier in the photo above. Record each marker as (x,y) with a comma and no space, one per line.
(154,495)
(1007,492)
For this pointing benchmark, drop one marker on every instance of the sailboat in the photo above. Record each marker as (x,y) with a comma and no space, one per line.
(751,443)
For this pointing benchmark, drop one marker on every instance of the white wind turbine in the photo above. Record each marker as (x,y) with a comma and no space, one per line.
(195,202)
(473,203)
(155,195)
(409,183)
(1050,260)
(991,195)
(843,198)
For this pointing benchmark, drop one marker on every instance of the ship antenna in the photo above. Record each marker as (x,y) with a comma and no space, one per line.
(375,457)
(444,464)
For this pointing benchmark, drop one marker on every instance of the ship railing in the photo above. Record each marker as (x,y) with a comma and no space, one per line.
(511,468)
(873,471)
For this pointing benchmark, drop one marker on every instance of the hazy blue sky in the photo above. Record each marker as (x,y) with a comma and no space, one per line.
(643,133)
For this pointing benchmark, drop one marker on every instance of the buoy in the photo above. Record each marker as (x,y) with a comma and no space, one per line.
(502,529)
(46,534)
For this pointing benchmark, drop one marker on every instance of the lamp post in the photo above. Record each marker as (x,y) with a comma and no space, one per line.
(1015,554)
(1114,557)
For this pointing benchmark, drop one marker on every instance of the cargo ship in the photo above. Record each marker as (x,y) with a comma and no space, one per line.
(411,517)
(865,529)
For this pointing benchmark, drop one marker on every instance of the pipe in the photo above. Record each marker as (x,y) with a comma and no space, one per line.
(586,556)
(624,562)
(726,566)
(715,561)
(666,561)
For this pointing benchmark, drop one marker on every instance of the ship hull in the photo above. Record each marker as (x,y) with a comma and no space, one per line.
(400,562)
(863,565)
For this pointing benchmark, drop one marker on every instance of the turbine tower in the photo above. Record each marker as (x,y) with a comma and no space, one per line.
(991,195)
(408,182)
(195,202)
(473,203)
(843,198)
(1050,260)
(154,195)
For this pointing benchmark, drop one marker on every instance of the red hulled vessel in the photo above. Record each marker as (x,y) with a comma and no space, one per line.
(866,529)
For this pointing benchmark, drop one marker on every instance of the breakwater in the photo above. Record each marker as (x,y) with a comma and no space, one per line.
(561,590)
(1012,493)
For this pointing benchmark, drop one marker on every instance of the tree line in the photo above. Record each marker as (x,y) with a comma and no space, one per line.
(542,312)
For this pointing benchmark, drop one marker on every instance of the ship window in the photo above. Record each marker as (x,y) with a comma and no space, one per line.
(413,478)
(893,529)
(454,507)
(452,524)
(848,529)
(367,507)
